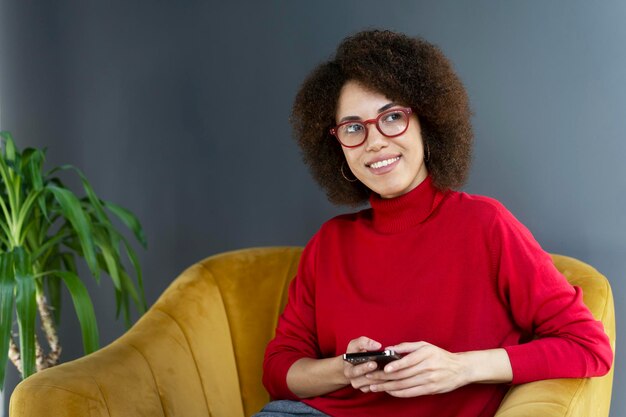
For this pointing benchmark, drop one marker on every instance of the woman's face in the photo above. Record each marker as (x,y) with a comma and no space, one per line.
(404,154)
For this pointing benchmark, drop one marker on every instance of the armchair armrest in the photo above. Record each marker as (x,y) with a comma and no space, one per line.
(575,397)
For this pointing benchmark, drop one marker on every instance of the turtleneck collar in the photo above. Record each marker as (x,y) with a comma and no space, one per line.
(390,215)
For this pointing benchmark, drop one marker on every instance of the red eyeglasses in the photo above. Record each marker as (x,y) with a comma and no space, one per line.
(390,123)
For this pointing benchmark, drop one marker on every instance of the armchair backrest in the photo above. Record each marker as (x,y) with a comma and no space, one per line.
(243,293)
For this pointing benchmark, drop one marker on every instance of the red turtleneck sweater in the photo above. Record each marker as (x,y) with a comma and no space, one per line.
(449,268)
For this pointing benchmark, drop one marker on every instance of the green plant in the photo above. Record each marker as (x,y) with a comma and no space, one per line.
(43,226)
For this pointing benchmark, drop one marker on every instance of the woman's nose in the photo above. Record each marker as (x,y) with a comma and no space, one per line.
(375,139)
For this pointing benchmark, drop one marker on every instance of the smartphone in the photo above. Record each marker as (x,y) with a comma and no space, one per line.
(381,357)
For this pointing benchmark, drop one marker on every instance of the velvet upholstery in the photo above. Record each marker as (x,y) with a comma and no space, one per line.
(199,350)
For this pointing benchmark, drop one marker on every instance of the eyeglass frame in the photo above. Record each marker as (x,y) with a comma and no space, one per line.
(406,110)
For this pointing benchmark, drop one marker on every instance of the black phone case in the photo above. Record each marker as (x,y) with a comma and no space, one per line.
(379,357)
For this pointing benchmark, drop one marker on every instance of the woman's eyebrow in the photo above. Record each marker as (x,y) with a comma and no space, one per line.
(382,109)
(386,106)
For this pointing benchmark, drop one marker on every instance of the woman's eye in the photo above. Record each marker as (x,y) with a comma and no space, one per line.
(353,128)
(394,116)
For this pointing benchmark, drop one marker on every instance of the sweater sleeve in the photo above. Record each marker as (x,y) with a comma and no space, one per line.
(563,340)
(296,336)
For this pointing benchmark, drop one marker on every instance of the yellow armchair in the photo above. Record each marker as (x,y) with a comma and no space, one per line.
(199,350)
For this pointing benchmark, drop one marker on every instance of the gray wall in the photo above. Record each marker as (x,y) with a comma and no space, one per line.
(135,93)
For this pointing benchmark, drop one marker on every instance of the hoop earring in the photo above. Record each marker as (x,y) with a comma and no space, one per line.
(344,175)
(427,157)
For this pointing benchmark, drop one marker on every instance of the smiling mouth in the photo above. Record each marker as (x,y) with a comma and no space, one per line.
(384,163)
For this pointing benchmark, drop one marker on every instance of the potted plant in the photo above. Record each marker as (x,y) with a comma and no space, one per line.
(44,228)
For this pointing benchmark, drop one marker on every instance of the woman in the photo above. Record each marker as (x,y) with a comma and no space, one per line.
(450,281)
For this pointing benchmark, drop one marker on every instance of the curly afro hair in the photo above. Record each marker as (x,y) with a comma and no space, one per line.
(406,70)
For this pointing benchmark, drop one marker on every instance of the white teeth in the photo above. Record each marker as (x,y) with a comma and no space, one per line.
(384,163)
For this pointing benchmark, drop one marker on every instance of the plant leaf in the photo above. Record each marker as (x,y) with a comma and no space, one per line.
(5,211)
(8,178)
(32,164)
(32,167)
(23,215)
(53,288)
(125,306)
(50,241)
(129,286)
(118,292)
(9,146)
(46,222)
(7,286)
(70,205)
(69,263)
(143,306)
(17,191)
(109,254)
(71,242)
(84,309)
(53,285)
(5,229)
(96,203)
(129,219)
(26,305)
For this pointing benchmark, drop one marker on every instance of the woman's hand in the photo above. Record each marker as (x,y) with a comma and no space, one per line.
(427,369)
(357,375)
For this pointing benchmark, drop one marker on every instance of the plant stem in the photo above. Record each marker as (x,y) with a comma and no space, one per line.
(39,356)
(14,355)
(47,325)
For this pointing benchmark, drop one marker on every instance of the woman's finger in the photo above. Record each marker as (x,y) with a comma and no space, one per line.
(426,384)
(362,382)
(397,375)
(418,352)
(362,344)
(355,371)
(407,347)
